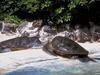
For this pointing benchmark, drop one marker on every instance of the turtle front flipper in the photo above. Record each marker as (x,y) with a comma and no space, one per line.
(48,49)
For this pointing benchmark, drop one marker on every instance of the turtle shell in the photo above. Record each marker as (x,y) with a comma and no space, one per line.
(20,43)
(66,47)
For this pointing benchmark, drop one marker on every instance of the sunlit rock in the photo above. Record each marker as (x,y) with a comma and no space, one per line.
(30,29)
(46,33)
(7,27)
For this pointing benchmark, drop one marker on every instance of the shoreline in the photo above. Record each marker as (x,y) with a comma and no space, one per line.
(13,60)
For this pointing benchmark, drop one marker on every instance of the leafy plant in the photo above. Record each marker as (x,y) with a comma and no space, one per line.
(58,11)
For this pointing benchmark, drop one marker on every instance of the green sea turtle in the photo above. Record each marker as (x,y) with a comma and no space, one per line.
(20,43)
(64,47)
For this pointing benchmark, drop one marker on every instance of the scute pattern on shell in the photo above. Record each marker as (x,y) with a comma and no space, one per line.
(65,47)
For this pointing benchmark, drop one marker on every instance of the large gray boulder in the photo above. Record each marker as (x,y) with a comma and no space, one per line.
(30,29)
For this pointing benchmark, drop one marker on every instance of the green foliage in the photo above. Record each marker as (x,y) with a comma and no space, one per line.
(13,19)
(59,11)
(46,3)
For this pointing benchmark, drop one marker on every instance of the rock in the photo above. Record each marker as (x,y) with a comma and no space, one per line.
(30,29)
(46,33)
(79,37)
(7,28)
(20,43)
(66,30)
(64,47)
(95,31)
(25,34)
(1,25)
(24,27)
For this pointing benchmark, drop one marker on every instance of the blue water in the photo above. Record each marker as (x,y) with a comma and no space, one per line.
(59,68)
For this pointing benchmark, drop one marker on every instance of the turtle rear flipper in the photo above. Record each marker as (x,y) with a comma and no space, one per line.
(87,59)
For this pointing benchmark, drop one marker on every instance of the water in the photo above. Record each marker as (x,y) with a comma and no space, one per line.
(58,67)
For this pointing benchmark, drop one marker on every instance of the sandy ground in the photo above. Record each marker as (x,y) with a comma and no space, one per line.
(5,37)
(16,59)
